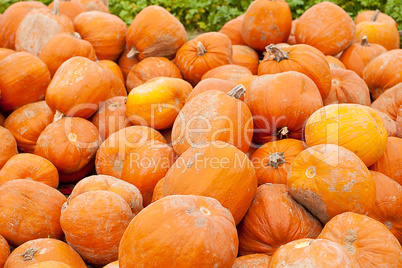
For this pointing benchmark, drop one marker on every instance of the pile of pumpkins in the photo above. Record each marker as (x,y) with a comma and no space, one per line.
(271,143)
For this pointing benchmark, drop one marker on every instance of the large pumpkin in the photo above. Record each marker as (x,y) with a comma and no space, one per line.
(326,27)
(4,251)
(329,180)
(180,234)
(232,29)
(247,57)
(231,72)
(390,101)
(357,128)
(285,220)
(280,104)
(8,146)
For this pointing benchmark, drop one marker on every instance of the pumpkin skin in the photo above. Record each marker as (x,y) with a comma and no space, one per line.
(69,8)
(240,181)
(355,127)
(327,186)
(212,84)
(358,55)
(146,166)
(4,251)
(292,39)
(272,160)
(347,87)
(301,58)
(223,116)
(389,124)
(230,72)
(112,66)
(94,5)
(112,265)
(31,167)
(367,15)
(108,214)
(266,22)
(4,52)
(69,143)
(390,163)
(232,29)
(12,17)
(148,37)
(247,57)
(252,261)
(383,72)
(16,72)
(158,102)
(149,68)
(158,190)
(367,240)
(23,204)
(205,52)
(285,220)
(117,147)
(127,191)
(390,101)
(106,32)
(273,101)
(55,55)
(8,146)
(388,204)
(191,220)
(315,252)
(117,87)
(398,123)
(126,63)
(334,62)
(50,264)
(43,250)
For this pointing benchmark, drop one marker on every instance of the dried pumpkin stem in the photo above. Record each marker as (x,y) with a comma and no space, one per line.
(365,42)
(276,159)
(201,50)
(283,133)
(57,116)
(237,91)
(133,51)
(77,35)
(375,15)
(278,53)
(56,7)
(29,254)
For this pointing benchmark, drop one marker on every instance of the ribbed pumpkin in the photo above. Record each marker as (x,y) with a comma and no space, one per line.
(329,180)
(106,32)
(347,87)
(16,72)
(368,241)
(8,146)
(314,252)
(112,66)
(69,8)
(358,55)
(69,143)
(272,160)
(222,116)
(53,54)
(117,147)
(29,167)
(127,191)
(158,190)
(219,175)
(326,27)
(232,29)
(390,101)
(367,15)
(357,128)
(334,62)
(150,37)
(247,57)
(285,220)
(212,84)
(383,72)
(231,72)
(50,264)
(205,52)
(150,68)
(300,58)
(158,102)
(252,261)
(126,63)
(180,234)
(4,52)
(4,251)
(280,104)
(29,210)
(42,250)
(266,22)
(389,124)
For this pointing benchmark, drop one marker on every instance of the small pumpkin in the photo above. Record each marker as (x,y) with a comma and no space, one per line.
(334,62)
(8,146)
(390,101)
(252,261)
(232,29)
(367,15)
(247,57)
(158,190)
(212,84)
(230,72)
(126,63)
(69,8)
(4,251)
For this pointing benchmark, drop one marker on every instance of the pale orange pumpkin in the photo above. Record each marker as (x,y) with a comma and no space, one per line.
(111,65)
(247,57)
(4,251)
(231,72)
(389,124)
(158,190)
(252,261)
(367,15)
(212,84)
(390,101)
(232,29)
(8,146)
(334,62)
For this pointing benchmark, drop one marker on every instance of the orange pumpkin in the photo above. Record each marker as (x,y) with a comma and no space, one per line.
(326,27)
(280,104)
(69,8)
(95,5)
(212,84)
(232,29)
(247,57)
(285,220)
(106,32)
(368,241)
(95,222)
(29,210)
(8,146)
(205,52)
(126,63)
(347,87)
(266,22)
(390,101)
(16,72)
(158,190)
(292,39)
(176,219)
(112,66)
(4,52)
(150,68)
(334,62)
(4,251)
(252,261)
(389,124)
(112,265)
(398,123)
(272,160)
(231,72)
(150,37)
(69,143)
(43,250)
(368,15)
(50,264)
(300,58)
(30,167)
(383,72)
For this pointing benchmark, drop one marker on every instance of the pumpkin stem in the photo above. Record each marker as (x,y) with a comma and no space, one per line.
(132,52)
(278,53)
(125,100)
(201,50)
(77,35)
(237,91)
(365,42)
(57,116)
(29,254)
(375,15)
(283,133)
(276,159)
(56,7)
